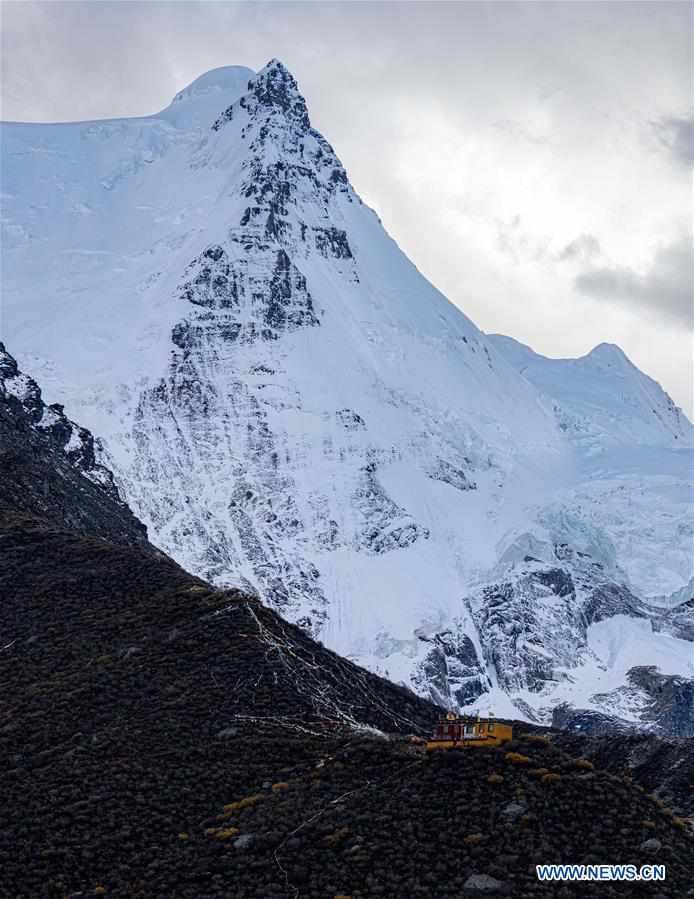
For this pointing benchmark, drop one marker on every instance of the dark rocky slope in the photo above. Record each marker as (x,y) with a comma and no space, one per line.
(135,697)
(49,467)
(662,765)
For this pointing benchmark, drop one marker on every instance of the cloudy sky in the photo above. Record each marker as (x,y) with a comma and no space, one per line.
(534,160)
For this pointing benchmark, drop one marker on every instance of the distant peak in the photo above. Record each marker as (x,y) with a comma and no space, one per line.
(608,352)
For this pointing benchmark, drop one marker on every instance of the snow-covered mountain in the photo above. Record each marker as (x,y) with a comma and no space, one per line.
(290,406)
(602,401)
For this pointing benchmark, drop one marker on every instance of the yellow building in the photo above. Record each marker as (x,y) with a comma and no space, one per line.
(467,731)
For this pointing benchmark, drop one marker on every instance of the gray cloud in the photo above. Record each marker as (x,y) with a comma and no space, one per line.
(676,134)
(666,288)
(584,248)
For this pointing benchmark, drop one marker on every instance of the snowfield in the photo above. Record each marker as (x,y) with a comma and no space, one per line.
(291,407)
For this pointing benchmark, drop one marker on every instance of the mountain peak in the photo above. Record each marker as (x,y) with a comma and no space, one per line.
(602,398)
(273,89)
(608,353)
(275,64)
(275,86)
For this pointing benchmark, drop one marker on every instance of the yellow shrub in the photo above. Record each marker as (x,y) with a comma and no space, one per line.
(495,779)
(240,804)
(278,787)
(183,836)
(538,772)
(650,824)
(335,838)
(222,833)
(472,839)
(550,778)
(516,758)
(584,764)
(99,890)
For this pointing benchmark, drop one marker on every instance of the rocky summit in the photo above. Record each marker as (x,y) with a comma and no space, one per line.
(295,412)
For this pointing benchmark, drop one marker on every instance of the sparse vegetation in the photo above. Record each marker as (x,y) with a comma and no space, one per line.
(551,778)
(472,839)
(241,804)
(339,836)
(517,758)
(222,833)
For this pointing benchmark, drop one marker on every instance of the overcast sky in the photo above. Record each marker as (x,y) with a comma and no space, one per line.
(534,160)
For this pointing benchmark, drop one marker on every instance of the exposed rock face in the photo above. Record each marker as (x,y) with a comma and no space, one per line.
(679,620)
(203,404)
(665,702)
(451,670)
(48,465)
(560,612)
(671,706)
(587,721)
(534,626)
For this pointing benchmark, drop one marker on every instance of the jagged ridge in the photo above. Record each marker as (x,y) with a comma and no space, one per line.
(49,464)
